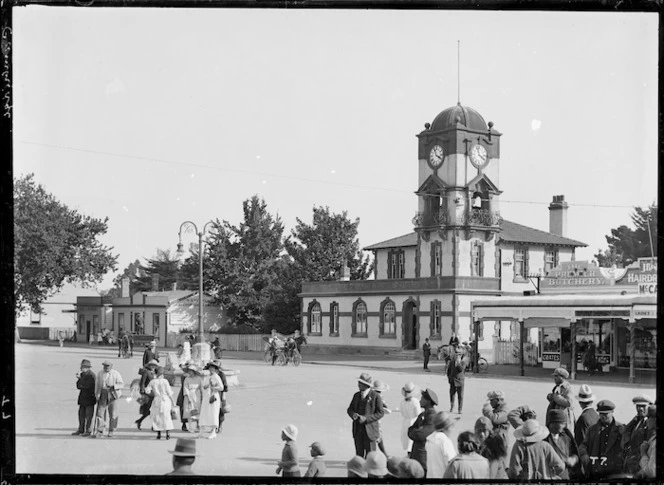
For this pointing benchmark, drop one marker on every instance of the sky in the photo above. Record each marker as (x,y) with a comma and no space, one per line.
(152,117)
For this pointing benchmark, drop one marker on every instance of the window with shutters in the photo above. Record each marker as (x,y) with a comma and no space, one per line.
(477,258)
(396,264)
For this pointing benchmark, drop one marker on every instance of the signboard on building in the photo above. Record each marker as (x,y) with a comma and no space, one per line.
(642,275)
(573,274)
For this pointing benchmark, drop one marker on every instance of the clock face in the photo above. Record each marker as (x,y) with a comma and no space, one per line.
(436,156)
(478,156)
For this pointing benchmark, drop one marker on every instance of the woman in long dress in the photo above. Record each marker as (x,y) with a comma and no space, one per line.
(193,396)
(410,409)
(162,403)
(212,388)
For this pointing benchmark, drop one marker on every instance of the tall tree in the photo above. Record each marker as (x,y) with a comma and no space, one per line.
(241,266)
(163,269)
(53,244)
(132,271)
(626,245)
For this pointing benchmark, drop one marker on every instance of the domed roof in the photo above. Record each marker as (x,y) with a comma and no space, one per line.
(467,116)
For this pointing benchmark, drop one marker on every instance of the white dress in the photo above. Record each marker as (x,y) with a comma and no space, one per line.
(160,411)
(210,411)
(410,410)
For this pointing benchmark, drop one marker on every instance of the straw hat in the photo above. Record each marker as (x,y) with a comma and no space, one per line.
(380,386)
(356,465)
(585,394)
(408,389)
(290,431)
(531,431)
(376,463)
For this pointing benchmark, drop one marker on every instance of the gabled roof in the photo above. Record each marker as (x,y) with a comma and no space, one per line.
(511,232)
(173,295)
(484,182)
(433,183)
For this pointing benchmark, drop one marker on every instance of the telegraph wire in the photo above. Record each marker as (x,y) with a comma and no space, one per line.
(292,177)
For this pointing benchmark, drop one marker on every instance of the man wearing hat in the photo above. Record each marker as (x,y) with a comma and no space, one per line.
(439,447)
(150,353)
(423,427)
(532,457)
(496,410)
(85,382)
(426,353)
(518,416)
(601,452)
(184,456)
(365,409)
(561,397)
(317,466)
(648,460)
(561,440)
(456,376)
(108,389)
(147,374)
(634,433)
(588,416)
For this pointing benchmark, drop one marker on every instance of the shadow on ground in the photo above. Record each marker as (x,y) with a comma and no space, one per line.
(271,461)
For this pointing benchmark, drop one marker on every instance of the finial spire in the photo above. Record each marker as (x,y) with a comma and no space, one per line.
(459,72)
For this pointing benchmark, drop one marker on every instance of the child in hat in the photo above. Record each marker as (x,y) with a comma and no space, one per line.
(289,461)
(356,467)
(317,466)
(410,409)
(379,387)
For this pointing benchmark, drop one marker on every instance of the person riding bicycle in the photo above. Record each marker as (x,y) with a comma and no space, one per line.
(291,346)
(272,341)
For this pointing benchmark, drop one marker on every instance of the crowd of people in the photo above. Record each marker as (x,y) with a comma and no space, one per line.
(592,446)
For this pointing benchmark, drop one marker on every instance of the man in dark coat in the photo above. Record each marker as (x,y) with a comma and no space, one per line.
(636,433)
(365,409)
(456,376)
(423,427)
(426,353)
(150,353)
(561,396)
(601,452)
(496,411)
(85,382)
(562,441)
(588,416)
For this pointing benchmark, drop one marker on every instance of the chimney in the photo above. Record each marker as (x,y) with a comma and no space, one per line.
(155,282)
(558,216)
(345,273)
(125,287)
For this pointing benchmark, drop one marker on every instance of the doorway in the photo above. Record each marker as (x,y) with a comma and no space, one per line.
(410,326)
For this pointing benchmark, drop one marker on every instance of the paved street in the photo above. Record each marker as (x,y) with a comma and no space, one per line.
(313,396)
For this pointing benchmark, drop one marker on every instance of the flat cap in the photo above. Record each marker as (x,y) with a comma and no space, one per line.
(642,399)
(430,395)
(605,406)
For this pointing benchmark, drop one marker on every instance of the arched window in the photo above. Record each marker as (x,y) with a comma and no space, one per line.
(334,319)
(389,319)
(360,319)
(315,322)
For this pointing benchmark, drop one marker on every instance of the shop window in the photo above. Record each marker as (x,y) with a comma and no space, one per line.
(359,324)
(155,325)
(435,325)
(520,264)
(645,345)
(477,258)
(550,260)
(395,264)
(436,258)
(334,319)
(315,319)
(388,325)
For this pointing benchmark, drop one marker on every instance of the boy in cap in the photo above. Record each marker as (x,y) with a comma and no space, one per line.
(561,440)
(289,461)
(634,433)
(588,416)
(85,382)
(365,409)
(317,466)
(356,467)
(184,456)
(601,452)
(423,427)
(496,410)
(561,397)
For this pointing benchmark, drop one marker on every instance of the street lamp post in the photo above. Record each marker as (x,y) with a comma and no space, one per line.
(202,353)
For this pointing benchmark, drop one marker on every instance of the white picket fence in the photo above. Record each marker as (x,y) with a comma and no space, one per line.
(507,352)
(251,343)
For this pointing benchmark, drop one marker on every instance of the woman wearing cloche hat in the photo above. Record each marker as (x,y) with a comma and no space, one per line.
(410,409)
(533,458)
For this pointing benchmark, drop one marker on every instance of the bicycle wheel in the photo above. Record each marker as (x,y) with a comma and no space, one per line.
(482,364)
(297,359)
(281,359)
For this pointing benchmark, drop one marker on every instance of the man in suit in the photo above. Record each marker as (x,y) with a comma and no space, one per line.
(635,433)
(423,427)
(561,397)
(86,398)
(365,409)
(588,415)
(426,352)
(456,376)
(601,452)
